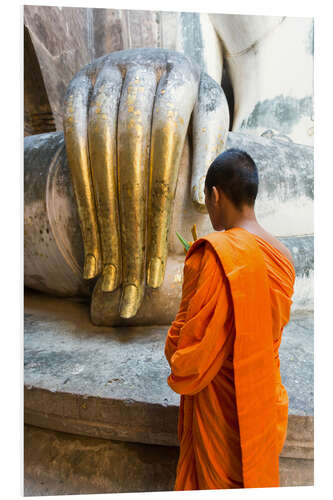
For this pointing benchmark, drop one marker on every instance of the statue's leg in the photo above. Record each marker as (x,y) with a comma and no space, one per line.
(134,126)
(174,102)
(102,129)
(75,130)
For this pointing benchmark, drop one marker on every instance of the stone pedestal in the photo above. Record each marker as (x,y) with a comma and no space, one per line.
(100,417)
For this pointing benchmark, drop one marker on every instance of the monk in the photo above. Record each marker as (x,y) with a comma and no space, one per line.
(222,347)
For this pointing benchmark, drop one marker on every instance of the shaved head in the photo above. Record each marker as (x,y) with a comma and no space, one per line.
(236,174)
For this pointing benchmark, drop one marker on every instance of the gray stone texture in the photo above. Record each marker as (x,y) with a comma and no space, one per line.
(296,355)
(57,463)
(284,167)
(53,249)
(100,417)
(65,39)
(280,113)
(60,39)
(302,250)
(112,382)
(38,116)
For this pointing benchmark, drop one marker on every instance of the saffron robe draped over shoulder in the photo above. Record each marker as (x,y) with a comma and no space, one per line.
(222,349)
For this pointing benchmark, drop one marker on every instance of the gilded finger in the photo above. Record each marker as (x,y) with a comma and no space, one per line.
(210,127)
(76,137)
(102,132)
(174,102)
(134,124)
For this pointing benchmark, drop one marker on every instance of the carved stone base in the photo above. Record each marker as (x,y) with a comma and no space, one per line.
(100,417)
(57,463)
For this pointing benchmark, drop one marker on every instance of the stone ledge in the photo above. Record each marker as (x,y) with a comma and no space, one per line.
(110,383)
(57,463)
(133,422)
(118,420)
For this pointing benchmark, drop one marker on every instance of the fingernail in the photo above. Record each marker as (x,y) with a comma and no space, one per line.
(90,267)
(109,278)
(155,273)
(129,301)
(198,200)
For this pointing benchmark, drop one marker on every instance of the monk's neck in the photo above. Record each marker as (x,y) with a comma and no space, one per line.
(245,219)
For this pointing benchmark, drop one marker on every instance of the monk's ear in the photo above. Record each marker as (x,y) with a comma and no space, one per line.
(216,194)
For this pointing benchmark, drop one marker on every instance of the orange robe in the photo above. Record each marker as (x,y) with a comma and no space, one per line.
(222,349)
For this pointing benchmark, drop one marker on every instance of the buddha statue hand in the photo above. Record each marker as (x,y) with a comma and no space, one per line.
(126,116)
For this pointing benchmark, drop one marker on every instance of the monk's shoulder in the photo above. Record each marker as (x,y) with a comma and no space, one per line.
(194,256)
(209,255)
(286,252)
(274,242)
(202,255)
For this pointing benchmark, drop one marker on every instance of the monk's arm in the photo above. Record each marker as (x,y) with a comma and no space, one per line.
(206,336)
(190,279)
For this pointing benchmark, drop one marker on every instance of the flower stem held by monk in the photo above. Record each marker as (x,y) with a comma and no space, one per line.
(186,243)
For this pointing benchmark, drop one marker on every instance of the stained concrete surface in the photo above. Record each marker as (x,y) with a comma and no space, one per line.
(296,356)
(62,464)
(65,352)
(98,408)
(57,463)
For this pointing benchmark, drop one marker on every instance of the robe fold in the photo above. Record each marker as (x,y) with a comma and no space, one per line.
(222,349)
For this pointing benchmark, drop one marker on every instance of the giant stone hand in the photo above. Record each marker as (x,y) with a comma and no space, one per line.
(125,122)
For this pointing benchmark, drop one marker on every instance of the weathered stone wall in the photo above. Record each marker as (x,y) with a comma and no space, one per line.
(65,464)
(38,116)
(270,63)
